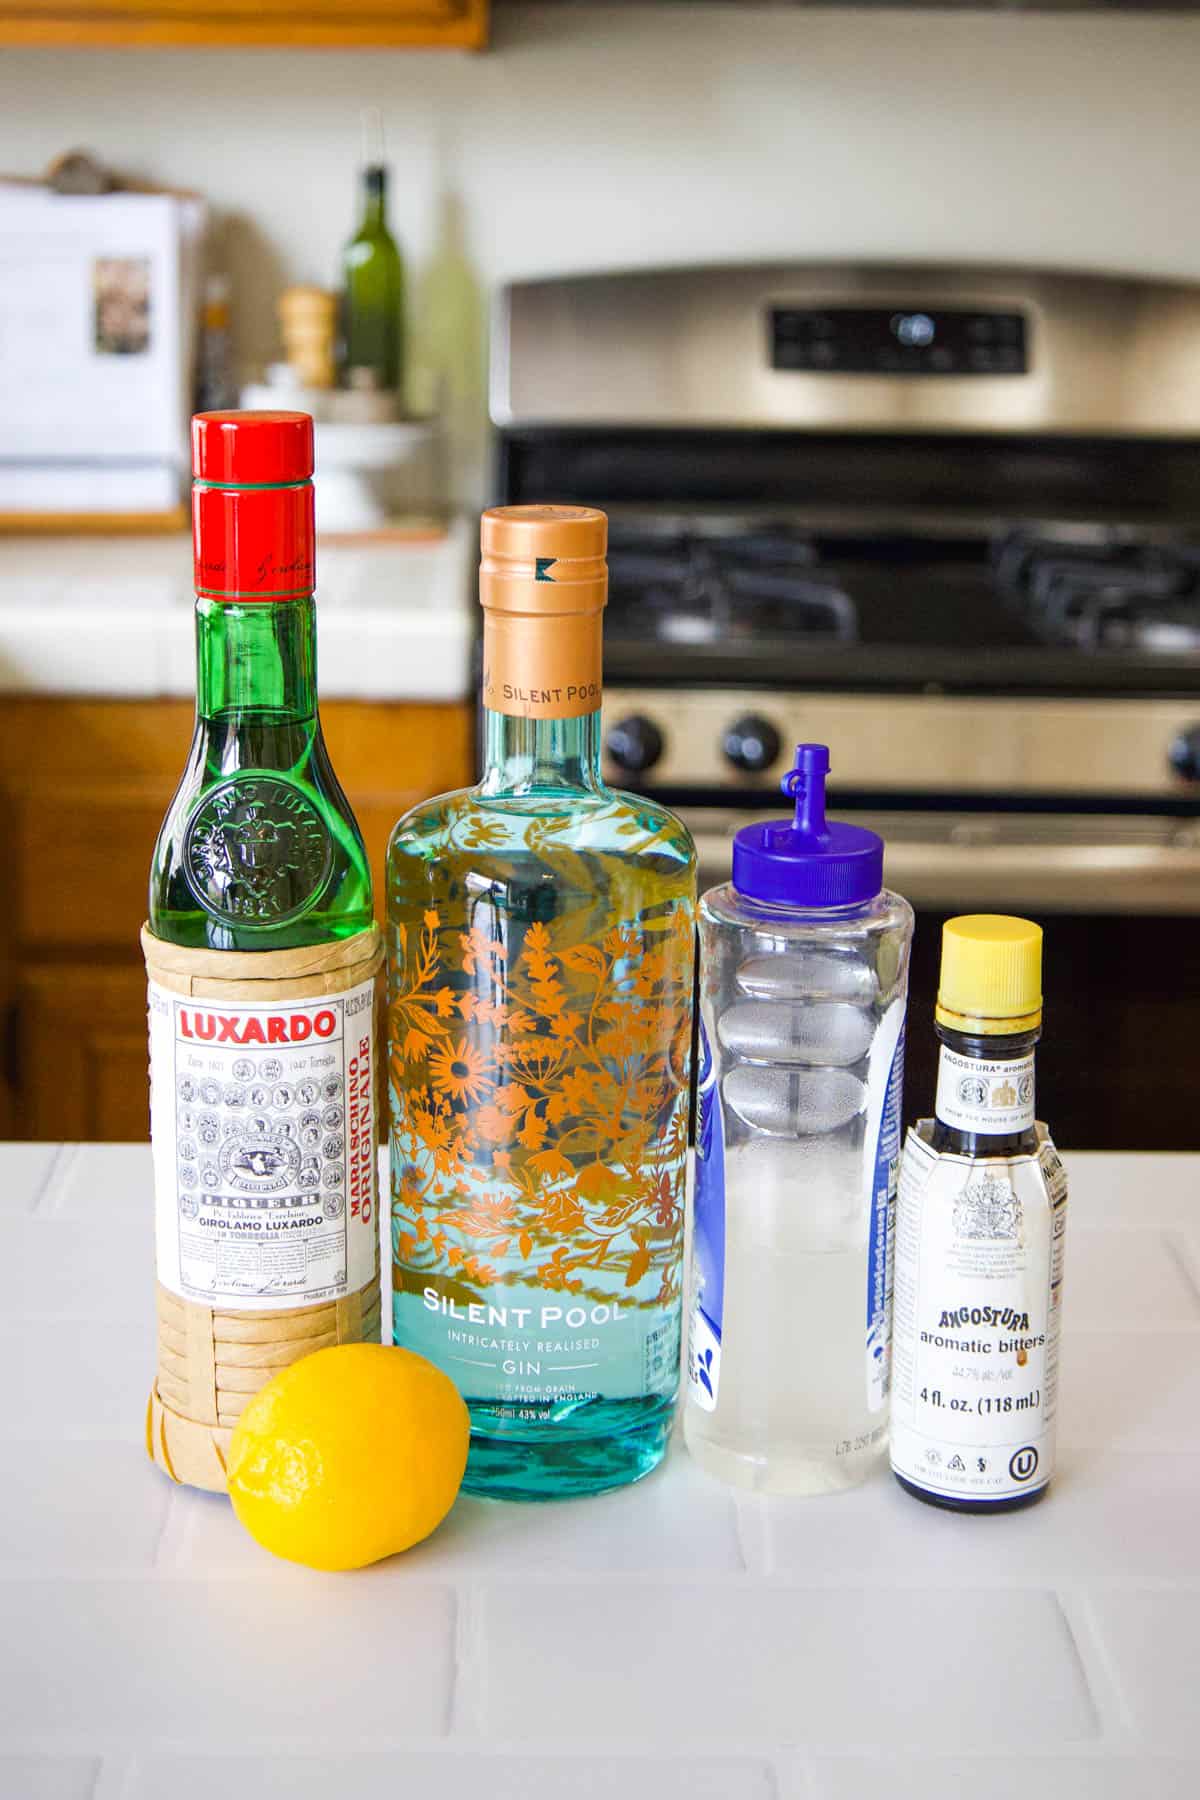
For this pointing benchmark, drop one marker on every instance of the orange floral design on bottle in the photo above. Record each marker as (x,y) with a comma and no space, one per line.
(540,1109)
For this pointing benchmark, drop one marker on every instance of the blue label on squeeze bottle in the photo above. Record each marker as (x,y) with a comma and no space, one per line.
(882,1231)
(708,1244)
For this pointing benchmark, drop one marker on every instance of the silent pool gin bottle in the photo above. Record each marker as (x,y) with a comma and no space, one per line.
(540,937)
(803,986)
(980,1235)
(262,954)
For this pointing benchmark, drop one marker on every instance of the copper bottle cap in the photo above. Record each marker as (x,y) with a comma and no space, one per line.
(543,559)
(543,583)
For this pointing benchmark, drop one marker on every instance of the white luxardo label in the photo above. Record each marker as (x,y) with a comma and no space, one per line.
(992,1097)
(262,1120)
(978,1307)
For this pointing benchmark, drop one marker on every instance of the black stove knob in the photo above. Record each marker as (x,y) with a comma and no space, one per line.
(634,744)
(1185,753)
(751,744)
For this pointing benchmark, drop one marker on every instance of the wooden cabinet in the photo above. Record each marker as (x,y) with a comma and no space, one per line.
(8,1010)
(144,24)
(83,789)
(81,1062)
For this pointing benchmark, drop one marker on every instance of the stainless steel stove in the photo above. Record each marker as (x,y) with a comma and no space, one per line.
(947,521)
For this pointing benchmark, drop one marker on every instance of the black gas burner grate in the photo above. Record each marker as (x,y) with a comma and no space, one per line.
(1103,594)
(713,584)
(892,602)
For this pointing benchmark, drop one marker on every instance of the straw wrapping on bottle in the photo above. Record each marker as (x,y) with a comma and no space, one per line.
(212,1359)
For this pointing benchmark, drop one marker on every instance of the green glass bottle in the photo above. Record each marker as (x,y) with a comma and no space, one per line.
(540,959)
(372,308)
(262,1065)
(259,849)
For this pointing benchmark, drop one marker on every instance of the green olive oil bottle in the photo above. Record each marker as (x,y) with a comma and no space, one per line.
(372,303)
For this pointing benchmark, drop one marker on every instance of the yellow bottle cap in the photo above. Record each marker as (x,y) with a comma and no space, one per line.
(991,979)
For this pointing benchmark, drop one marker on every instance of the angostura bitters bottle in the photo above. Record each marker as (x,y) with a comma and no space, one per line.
(540,936)
(980,1237)
(262,955)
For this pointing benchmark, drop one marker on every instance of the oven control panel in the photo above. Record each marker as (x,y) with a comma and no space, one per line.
(712,740)
(898,340)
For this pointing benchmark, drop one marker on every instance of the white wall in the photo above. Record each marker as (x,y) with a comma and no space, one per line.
(602,137)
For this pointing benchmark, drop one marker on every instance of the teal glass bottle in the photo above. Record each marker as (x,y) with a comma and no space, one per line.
(259,849)
(372,306)
(540,944)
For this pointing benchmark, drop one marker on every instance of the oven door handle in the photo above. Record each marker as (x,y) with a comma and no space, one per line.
(1083,878)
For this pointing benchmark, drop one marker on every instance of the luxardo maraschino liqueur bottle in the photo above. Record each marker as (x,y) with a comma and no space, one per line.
(262,954)
(540,936)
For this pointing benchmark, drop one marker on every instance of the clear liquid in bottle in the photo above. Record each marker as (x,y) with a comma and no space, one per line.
(804,968)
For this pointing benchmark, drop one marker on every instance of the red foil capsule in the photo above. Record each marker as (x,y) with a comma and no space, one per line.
(252,505)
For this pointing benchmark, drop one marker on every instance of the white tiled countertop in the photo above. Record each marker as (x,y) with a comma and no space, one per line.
(113,616)
(669,1642)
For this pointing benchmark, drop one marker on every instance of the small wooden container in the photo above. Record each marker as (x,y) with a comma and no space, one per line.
(308,323)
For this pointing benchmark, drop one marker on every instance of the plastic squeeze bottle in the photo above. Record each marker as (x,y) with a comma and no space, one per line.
(980,1231)
(803,985)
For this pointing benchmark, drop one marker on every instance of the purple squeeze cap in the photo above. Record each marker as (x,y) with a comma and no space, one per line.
(808,862)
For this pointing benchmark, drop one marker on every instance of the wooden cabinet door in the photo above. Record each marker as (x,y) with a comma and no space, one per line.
(388,758)
(136,24)
(8,991)
(81,1053)
(78,820)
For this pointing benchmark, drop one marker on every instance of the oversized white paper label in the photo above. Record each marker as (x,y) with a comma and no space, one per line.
(262,1119)
(995,1097)
(978,1305)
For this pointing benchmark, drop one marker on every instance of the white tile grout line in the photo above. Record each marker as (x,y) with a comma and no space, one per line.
(1184,1250)
(789,1771)
(792,1775)
(752,1533)
(466,1707)
(50,1189)
(792,1768)
(1117,1728)
(115,1777)
(172,1562)
(172,1553)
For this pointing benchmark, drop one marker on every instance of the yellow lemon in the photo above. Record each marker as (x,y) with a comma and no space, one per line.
(351,1454)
